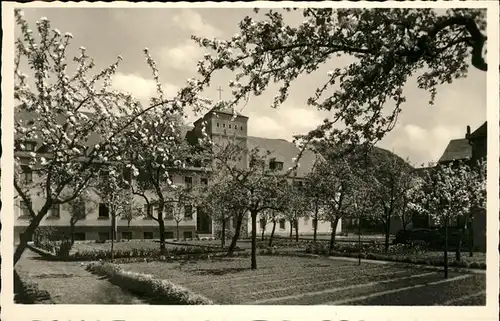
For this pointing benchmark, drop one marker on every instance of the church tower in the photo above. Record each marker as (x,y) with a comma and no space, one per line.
(225,126)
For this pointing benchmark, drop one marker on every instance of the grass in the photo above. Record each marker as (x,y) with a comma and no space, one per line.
(69,283)
(127,245)
(296,280)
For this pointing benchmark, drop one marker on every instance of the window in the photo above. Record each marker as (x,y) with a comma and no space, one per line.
(188,234)
(127,235)
(298,185)
(24,209)
(169,235)
(103,236)
(27,175)
(103,211)
(148,235)
(241,127)
(79,236)
(29,146)
(229,125)
(282,224)
(188,181)
(276,165)
(262,223)
(55,211)
(169,212)
(224,125)
(188,212)
(204,181)
(218,125)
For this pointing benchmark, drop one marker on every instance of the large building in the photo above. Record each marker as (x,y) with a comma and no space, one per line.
(221,126)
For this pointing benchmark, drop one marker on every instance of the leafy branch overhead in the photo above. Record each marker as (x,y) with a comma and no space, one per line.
(386,47)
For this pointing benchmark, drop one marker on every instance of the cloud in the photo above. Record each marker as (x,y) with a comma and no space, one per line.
(193,22)
(265,126)
(141,88)
(420,144)
(182,57)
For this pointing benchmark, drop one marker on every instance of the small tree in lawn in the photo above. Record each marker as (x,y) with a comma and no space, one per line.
(65,113)
(114,191)
(446,195)
(274,217)
(297,206)
(179,202)
(79,208)
(389,175)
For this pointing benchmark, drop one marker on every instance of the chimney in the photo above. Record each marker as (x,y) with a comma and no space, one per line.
(468,132)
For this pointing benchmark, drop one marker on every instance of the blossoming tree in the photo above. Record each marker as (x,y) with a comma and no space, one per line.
(386,47)
(450,192)
(67,124)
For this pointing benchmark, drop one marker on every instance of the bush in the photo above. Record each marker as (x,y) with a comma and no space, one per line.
(163,291)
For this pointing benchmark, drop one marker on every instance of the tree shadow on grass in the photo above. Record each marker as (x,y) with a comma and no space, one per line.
(221,271)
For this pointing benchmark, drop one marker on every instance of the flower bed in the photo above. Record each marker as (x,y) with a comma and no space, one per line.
(88,253)
(397,253)
(160,291)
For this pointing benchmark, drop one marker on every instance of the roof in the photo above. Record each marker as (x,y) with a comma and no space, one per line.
(480,132)
(285,151)
(457,149)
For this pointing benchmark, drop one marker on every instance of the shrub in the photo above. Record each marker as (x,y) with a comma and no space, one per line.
(160,290)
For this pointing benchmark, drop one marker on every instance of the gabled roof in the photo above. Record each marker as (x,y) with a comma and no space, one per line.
(284,151)
(457,149)
(480,132)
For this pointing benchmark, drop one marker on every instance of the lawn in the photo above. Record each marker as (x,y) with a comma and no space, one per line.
(125,245)
(69,283)
(297,280)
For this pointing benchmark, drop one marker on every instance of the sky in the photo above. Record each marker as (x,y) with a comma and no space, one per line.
(421,135)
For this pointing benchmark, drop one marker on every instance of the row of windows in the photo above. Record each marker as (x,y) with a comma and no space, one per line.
(105,236)
(55,211)
(282,223)
(27,177)
(224,126)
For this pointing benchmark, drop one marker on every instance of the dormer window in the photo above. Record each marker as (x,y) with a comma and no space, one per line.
(224,125)
(275,165)
(29,146)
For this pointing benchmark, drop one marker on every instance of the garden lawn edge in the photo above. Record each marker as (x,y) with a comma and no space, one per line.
(162,291)
(27,292)
(43,253)
(380,261)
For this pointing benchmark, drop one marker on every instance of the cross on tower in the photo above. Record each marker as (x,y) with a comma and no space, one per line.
(220,92)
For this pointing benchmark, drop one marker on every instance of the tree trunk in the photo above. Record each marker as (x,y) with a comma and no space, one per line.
(254,240)
(272,234)
(161,224)
(72,232)
(335,222)
(387,233)
(315,227)
(263,231)
(223,234)
(296,230)
(458,251)
(446,248)
(113,235)
(28,233)
(177,233)
(236,235)
(471,239)
(291,228)
(359,241)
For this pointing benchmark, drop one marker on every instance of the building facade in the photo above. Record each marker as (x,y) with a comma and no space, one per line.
(222,126)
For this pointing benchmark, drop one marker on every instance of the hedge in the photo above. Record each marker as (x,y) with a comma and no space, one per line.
(28,292)
(160,291)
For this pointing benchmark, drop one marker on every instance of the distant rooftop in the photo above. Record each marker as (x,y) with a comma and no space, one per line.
(457,149)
